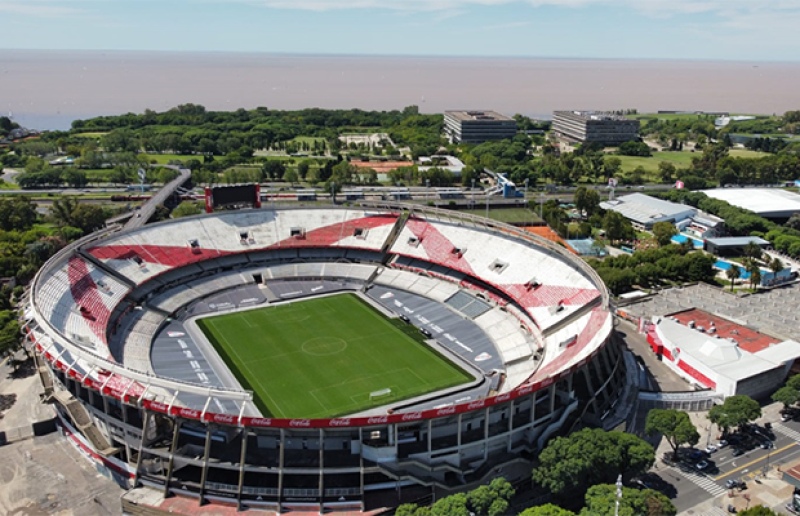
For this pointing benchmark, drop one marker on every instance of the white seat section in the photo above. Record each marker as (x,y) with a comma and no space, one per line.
(477,253)
(140,255)
(504,330)
(574,342)
(78,299)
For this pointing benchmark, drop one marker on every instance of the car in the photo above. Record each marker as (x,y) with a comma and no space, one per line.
(766,445)
(786,417)
(710,449)
(702,465)
(737,452)
(696,455)
(722,443)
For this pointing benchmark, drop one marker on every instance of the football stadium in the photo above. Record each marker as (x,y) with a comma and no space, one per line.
(319,358)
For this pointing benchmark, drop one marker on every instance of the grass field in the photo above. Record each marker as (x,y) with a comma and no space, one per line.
(679,159)
(323,357)
(507,215)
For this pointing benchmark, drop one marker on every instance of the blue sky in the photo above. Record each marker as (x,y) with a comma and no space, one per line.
(758,30)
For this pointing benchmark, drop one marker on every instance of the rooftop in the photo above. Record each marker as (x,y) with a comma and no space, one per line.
(594,115)
(645,209)
(748,339)
(773,202)
(736,241)
(478,115)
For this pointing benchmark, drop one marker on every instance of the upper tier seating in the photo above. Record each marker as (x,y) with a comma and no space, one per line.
(148,252)
(78,299)
(532,277)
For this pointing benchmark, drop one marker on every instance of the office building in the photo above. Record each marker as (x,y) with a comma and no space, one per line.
(478,126)
(594,127)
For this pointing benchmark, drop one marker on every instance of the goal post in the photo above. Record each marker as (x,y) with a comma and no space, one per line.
(380,393)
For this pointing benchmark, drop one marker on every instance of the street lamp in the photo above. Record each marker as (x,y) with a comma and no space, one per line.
(619,495)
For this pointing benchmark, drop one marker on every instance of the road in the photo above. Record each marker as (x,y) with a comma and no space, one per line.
(692,487)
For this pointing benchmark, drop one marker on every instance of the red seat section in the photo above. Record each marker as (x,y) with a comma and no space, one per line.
(88,299)
(330,235)
(439,248)
(597,318)
(171,256)
(550,295)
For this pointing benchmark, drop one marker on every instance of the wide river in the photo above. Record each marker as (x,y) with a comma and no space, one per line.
(49,89)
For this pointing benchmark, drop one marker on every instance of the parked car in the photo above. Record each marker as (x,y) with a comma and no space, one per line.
(702,465)
(722,443)
(737,452)
(711,449)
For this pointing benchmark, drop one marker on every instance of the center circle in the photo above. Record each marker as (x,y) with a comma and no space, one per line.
(324,346)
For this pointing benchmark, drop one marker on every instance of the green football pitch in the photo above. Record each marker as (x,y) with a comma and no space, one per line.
(324,357)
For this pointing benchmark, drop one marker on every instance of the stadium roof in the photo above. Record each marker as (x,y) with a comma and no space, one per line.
(648,210)
(723,355)
(767,202)
(736,241)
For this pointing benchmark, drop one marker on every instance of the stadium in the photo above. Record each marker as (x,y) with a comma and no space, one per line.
(319,358)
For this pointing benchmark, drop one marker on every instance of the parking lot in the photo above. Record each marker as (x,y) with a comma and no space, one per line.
(747,465)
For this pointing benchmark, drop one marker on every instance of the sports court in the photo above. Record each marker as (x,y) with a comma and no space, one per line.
(327,357)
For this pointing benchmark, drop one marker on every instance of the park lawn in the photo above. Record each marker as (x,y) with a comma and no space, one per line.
(679,159)
(98,134)
(322,357)
(309,140)
(747,153)
(164,159)
(507,215)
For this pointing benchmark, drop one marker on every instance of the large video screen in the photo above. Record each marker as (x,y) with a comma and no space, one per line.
(227,195)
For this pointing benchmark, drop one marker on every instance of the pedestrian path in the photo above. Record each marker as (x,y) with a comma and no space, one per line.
(788,432)
(701,480)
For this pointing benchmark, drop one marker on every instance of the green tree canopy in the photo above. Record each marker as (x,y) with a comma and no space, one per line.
(546,510)
(735,412)
(17,213)
(664,231)
(587,201)
(786,395)
(674,425)
(617,227)
(591,456)
(601,500)
(758,510)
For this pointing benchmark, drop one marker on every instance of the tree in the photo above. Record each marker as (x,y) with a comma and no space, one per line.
(786,395)
(753,250)
(776,265)
(602,499)
(758,510)
(302,168)
(664,231)
(273,169)
(733,274)
(587,201)
(17,213)
(666,171)
(617,227)
(591,456)
(546,510)
(674,425)
(187,209)
(89,217)
(453,505)
(290,176)
(734,412)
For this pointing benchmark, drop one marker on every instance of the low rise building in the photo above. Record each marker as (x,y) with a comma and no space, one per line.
(478,126)
(594,127)
(644,211)
(720,355)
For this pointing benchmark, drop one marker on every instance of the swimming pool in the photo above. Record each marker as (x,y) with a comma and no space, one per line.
(724,266)
(681,238)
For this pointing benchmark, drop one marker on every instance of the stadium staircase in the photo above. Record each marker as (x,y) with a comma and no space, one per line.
(89,257)
(571,318)
(84,423)
(418,471)
(399,224)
